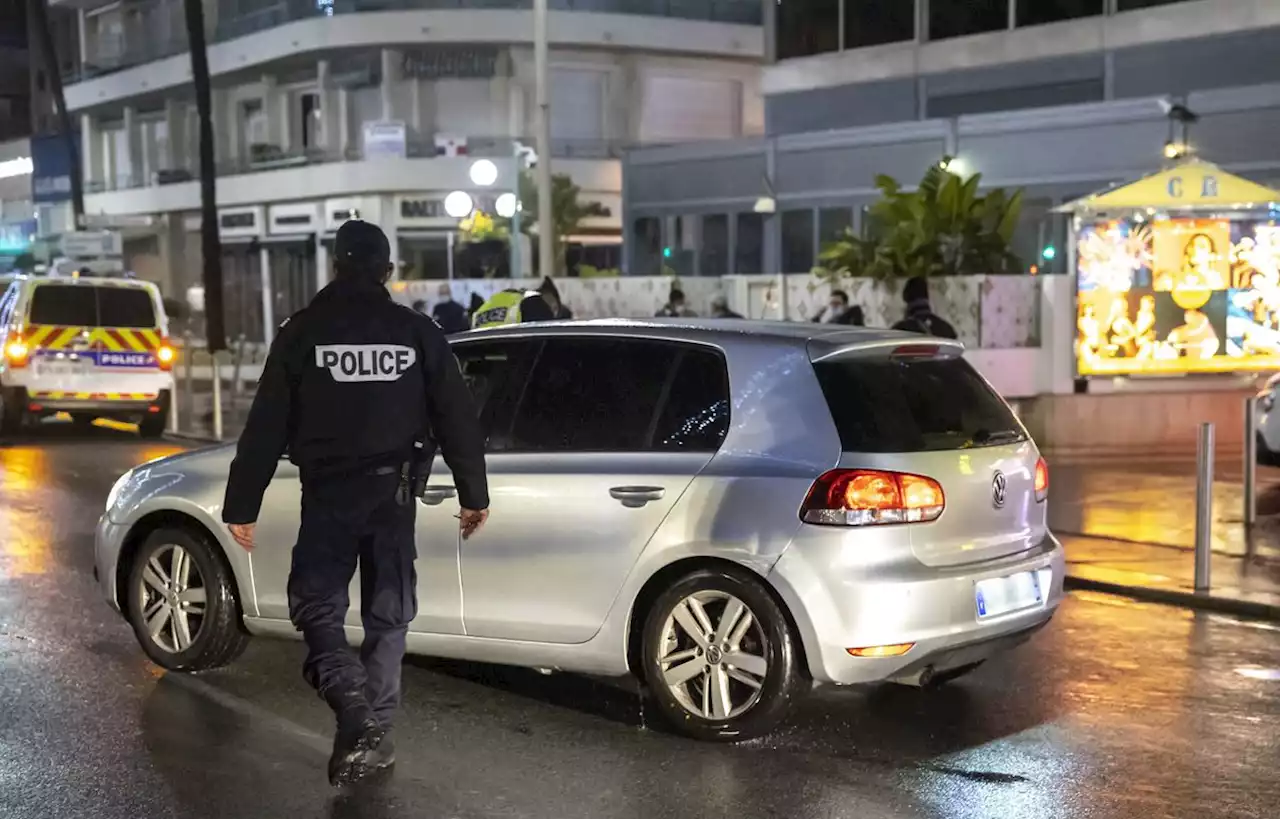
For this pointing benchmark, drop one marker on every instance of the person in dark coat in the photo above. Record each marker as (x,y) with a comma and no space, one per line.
(450,315)
(920,317)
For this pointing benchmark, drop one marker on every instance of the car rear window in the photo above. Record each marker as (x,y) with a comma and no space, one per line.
(85,306)
(914,405)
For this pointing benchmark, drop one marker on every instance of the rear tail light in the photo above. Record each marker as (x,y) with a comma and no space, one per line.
(17,353)
(1042,480)
(866,497)
(166,355)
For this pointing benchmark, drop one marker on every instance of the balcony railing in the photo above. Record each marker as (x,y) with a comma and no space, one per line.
(277,159)
(117,56)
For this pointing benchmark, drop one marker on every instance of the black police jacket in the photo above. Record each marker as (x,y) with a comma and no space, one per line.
(351,382)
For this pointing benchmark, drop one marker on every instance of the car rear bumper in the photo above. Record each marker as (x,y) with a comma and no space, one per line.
(837,608)
(108,539)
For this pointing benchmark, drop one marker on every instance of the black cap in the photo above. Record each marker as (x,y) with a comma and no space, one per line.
(362,246)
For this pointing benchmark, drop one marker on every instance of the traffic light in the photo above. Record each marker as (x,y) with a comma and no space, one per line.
(1049,253)
(666,253)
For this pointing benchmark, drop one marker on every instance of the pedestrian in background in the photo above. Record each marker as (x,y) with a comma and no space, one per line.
(359,391)
(449,314)
(675,306)
(420,306)
(720,308)
(838,311)
(551,295)
(920,317)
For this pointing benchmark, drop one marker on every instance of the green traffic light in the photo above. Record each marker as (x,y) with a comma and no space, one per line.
(666,253)
(1049,252)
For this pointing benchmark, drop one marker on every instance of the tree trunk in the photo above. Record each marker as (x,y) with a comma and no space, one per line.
(38,26)
(215,328)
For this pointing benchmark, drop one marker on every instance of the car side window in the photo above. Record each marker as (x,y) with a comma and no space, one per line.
(593,395)
(695,416)
(495,371)
(7,300)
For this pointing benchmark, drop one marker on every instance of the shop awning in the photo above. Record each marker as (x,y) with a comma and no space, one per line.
(1191,185)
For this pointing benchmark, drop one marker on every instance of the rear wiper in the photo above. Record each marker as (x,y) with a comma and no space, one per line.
(986,436)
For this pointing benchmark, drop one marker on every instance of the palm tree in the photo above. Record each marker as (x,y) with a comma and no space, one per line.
(40,32)
(215,328)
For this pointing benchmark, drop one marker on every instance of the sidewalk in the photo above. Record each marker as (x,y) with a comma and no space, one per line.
(1167,575)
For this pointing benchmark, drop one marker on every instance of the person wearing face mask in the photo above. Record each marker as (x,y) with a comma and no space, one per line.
(838,311)
(449,314)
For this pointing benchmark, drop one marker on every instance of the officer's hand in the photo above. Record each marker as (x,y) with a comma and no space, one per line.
(243,533)
(471,520)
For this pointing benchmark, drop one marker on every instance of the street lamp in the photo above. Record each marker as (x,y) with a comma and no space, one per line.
(484,173)
(458,204)
(506,205)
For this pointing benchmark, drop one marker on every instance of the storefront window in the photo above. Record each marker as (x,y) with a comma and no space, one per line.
(714,259)
(646,238)
(875,22)
(807,27)
(1036,12)
(797,241)
(832,224)
(957,18)
(749,255)
(424,257)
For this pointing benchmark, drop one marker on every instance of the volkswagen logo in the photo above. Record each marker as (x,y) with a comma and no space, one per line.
(999,488)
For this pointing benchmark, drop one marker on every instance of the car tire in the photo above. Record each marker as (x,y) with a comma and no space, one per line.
(717,701)
(153,425)
(12,411)
(211,638)
(83,419)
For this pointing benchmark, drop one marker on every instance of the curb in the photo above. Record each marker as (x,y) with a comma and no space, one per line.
(1174,597)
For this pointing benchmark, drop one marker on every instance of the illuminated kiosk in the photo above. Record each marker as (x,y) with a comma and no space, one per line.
(1177,273)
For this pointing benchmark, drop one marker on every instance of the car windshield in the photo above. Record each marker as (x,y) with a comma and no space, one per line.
(914,405)
(70,305)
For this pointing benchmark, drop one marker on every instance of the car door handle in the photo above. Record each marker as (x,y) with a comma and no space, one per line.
(436,495)
(635,496)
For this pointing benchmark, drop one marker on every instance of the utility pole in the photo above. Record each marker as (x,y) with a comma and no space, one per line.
(215,329)
(546,240)
(38,28)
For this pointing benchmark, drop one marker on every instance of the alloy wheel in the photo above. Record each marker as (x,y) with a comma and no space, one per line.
(173,599)
(713,655)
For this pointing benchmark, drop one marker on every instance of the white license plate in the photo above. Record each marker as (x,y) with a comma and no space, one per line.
(61,367)
(1004,595)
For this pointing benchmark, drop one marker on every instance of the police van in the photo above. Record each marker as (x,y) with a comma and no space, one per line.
(92,347)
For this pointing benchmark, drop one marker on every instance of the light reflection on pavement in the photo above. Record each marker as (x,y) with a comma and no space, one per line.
(1118,709)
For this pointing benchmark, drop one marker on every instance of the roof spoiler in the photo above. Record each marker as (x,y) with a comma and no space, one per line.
(906,347)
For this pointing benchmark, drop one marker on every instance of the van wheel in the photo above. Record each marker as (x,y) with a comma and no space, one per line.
(182,603)
(719,657)
(153,425)
(12,412)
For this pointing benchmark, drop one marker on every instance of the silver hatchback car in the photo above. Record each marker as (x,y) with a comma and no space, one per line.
(728,510)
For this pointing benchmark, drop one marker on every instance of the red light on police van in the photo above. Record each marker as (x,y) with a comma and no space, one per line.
(17,353)
(166,355)
(866,497)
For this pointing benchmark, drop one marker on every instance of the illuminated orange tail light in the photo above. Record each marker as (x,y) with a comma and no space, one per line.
(1042,480)
(17,352)
(166,355)
(866,497)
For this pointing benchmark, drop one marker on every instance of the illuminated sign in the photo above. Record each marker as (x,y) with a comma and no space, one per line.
(1178,295)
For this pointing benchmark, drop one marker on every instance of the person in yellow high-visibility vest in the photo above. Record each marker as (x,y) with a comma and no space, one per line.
(511,307)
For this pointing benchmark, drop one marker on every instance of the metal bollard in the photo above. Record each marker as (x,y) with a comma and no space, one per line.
(189,385)
(1204,506)
(217,396)
(236,386)
(1251,461)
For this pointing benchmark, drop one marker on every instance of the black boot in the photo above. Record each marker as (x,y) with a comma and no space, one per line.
(358,734)
(355,753)
(383,755)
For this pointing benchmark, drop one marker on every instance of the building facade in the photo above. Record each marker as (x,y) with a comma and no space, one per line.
(1059,97)
(327,109)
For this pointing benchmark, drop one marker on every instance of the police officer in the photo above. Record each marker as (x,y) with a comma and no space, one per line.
(353,383)
(511,306)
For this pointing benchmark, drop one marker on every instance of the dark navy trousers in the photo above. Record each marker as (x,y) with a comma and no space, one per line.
(347,522)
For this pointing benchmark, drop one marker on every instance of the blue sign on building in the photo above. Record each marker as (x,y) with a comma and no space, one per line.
(51,172)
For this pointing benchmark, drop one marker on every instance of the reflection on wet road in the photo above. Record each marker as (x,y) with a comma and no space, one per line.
(1117,709)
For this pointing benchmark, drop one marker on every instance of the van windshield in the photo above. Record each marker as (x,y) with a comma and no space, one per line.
(69,305)
(914,405)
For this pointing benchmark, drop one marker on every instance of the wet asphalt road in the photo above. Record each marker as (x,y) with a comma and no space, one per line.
(1117,709)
